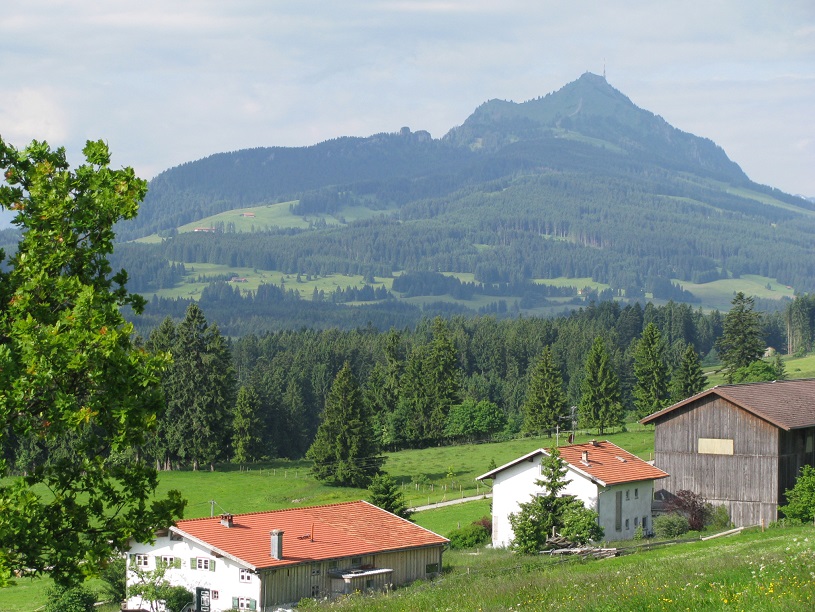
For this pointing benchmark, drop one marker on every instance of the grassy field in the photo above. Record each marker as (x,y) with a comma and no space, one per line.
(772,570)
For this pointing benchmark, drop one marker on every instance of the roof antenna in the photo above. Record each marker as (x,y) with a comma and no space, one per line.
(604,69)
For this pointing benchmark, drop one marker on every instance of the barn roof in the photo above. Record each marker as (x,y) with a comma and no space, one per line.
(315,533)
(787,404)
(606,463)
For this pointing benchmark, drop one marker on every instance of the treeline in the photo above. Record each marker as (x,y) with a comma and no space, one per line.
(440,381)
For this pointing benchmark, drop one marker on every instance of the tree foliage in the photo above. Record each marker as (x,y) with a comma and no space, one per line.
(536,519)
(70,374)
(651,372)
(546,401)
(600,403)
(345,451)
(688,378)
(801,498)
(742,341)
(385,493)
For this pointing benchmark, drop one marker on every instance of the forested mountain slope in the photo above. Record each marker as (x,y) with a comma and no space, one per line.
(580,183)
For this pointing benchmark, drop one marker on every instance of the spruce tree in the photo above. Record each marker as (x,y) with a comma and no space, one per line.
(546,400)
(385,493)
(246,427)
(688,378)
(742,340)
(600,404)
(345,451)
(651,388)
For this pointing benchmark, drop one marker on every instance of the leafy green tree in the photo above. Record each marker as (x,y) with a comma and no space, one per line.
(760,371)
(536,518)
(69,369)
(651,388)
(801,498)
(600,404)
(688,378)
(155,590)
(345,451)
(114,575)
(246,427)
(471,419)
(546,401)
(385,493)
(742,341)
(72,599)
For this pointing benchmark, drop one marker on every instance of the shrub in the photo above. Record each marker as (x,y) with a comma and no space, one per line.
(114,576)
(670,525)
(693,506)
(177,597)
(75,599)
(639,534)
(468,536)
(719,518)
(801,498)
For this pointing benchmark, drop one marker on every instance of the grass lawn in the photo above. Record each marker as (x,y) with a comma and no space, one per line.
(751,571)
(446,519)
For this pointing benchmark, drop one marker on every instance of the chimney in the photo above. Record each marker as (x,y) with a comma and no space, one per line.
(585,459)
(277,544)
(595,443)
(226,520)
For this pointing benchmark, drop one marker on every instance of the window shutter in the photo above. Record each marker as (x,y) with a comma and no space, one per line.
(235,602)
(193,563)
(132,559)
(253,605)
(212,565)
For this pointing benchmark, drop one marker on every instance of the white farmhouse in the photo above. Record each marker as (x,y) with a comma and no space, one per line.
(616,484)
(260,560)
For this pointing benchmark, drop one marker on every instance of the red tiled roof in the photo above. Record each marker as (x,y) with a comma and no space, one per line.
(787,404)
(310,534)
(609,464)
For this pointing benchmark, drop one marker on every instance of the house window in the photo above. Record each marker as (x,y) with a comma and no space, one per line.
(315,590)
(618,511)
(636,493)
(141,560)
(315,569)
(168,561)
(644,522)
(627,494)
(636,522)
(213,594)
(626,524)
(356,560)
(245,575)
(431,568)
(369,583)
(202,563)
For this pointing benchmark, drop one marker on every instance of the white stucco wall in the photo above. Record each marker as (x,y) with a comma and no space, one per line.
(516,484)
(225,579)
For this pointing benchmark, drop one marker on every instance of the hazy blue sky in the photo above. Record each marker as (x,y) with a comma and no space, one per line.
(165,81)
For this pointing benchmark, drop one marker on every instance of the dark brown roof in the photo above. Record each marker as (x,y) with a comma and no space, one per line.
(787,404)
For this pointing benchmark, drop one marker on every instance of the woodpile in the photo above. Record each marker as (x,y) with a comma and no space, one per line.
(558,545)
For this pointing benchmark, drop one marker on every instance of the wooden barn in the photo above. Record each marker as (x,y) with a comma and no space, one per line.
(738,445)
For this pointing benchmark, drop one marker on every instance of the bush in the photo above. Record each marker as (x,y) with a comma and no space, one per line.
(75,599)
(670,525)
(468,536)
(177,597)
(639,534)
(801,498)
(114,575)
(719,518)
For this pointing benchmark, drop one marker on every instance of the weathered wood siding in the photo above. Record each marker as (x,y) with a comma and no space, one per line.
(291,584)
(797,450)
(746,481)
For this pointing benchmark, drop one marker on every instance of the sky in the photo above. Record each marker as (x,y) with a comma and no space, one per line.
(170,81)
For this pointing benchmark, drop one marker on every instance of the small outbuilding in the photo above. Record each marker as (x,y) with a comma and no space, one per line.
(606,478)
(741,446)
(260,560)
